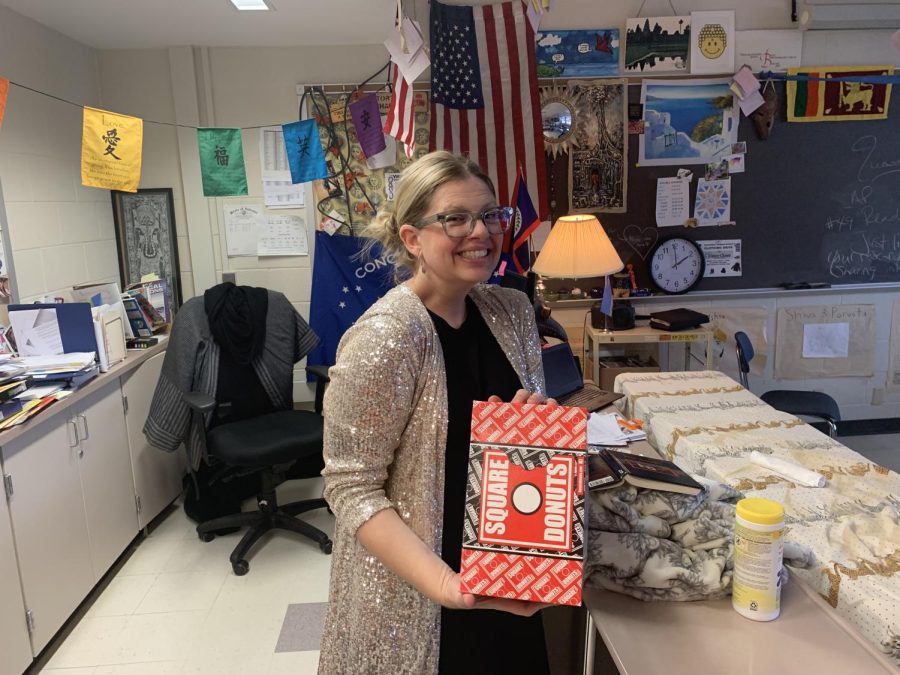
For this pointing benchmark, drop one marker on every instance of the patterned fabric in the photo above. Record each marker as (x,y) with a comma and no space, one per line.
(385,439)
(709,426)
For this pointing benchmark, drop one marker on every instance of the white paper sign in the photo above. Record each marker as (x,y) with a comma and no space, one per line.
(283,235)
(242,225)
(826,340)
(775,50)
(672,202)
(712,42)
(723,257)
(37,331)
(712,205)
(410,58)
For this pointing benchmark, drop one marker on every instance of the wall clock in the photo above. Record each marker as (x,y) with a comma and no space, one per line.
(676,265)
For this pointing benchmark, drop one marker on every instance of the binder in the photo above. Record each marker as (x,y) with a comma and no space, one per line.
(76,325)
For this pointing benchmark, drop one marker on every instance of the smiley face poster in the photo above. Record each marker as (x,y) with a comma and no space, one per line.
(712,43)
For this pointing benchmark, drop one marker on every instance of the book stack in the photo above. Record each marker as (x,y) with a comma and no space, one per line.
(9,393)
(143,317)
(610,469)
(70,370)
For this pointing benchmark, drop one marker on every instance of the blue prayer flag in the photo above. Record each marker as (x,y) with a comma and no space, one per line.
(606,304)
(344,285)
(304,151)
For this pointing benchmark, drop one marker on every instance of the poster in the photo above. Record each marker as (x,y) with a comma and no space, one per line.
(725,322)
(577,53)
(723,257)
(658,44)
(597,171)
(365,186)
(687,121)
(712,43)
(712,205)
(791,333)
(768,50)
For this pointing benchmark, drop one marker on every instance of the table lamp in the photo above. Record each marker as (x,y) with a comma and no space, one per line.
(578,247)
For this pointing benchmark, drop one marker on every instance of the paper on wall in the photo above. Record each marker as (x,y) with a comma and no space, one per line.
(283,194)
(712,205)
(408,53)
(723,257)
(712,42)
(242,225)
(283,235)
(775,50)
(791,363)
(893,373)
(278,190)
(826,340)
(672,202)
(725,322)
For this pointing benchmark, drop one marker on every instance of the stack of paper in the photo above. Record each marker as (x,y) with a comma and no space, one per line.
(56,364)
(613,429)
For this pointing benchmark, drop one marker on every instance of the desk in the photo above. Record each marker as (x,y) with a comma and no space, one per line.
(683,638)
(594,337)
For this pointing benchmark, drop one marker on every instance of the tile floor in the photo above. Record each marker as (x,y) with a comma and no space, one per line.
(175,607)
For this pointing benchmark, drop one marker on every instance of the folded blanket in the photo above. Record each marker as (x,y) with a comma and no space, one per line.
(656,545)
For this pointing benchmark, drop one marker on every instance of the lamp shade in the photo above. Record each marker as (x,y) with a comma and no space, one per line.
(577,247)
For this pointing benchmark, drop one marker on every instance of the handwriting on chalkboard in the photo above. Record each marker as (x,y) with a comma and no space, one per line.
(640,239)
(869,247)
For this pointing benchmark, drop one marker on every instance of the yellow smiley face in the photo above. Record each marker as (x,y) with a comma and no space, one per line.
(712,40)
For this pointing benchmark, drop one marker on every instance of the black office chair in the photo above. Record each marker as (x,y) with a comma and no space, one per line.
(802,403)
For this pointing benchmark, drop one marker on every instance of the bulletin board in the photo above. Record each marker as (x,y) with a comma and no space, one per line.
(818,202)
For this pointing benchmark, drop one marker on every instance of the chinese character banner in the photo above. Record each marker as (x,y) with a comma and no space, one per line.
(111,146)
(222,162)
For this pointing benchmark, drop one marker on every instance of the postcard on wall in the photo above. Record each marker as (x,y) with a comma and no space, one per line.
(658,44)
(577,53)
(712,205)
(672,202)
(768,50)
(687,121)
(712,43)
(723,257)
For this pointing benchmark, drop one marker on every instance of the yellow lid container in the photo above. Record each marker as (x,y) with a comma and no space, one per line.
(760,511)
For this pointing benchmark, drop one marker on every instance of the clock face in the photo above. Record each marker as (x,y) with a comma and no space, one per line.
(676,265)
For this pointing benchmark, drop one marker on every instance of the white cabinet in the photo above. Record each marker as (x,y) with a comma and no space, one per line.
(15,651)
(157,474)
(72,508)
(49,524)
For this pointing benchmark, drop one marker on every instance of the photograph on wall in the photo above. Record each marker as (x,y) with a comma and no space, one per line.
(146,238)
(597,172)
(366,187)
(658,44)
(577,53)
(687,121)
(712,43)
(818,100)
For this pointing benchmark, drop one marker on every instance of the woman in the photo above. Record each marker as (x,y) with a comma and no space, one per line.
(397,421)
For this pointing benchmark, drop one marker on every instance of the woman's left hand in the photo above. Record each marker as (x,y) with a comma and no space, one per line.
(524,396)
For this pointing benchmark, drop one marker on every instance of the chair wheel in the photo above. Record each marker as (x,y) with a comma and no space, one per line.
(206,536)
(240,567)
(326,546)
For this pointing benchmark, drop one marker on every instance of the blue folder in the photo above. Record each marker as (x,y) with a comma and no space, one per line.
(76,325)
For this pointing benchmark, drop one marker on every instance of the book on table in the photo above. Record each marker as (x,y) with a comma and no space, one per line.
(610,469)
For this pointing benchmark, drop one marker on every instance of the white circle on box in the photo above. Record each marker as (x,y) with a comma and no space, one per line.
(526,498)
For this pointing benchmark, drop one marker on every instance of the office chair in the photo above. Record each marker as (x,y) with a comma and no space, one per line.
(277,445)
(795,402)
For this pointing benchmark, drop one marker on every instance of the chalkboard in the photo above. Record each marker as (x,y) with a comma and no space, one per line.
(818,202)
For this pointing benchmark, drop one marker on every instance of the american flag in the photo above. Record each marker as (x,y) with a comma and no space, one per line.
(401,119)
(484,93)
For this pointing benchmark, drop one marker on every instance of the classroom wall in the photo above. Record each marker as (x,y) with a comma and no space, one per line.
(60,232)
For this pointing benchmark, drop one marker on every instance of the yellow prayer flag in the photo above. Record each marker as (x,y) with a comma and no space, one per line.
(4,90)
(111,146)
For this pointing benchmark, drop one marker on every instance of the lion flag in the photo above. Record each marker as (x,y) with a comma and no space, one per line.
(111,146)
(833,94)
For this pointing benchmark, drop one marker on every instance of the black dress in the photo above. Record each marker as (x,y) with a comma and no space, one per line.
(477,641)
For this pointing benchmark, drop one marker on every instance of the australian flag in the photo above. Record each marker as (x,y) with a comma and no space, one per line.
(344,285)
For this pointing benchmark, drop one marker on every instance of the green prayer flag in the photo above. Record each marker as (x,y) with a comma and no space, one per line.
(222,162)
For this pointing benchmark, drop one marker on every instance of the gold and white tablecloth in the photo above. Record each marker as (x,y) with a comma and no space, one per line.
(708,424)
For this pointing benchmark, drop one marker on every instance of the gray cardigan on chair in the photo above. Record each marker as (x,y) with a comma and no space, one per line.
(192,364)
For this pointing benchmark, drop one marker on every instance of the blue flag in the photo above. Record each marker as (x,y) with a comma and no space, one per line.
(344,285)
(304,151)
(606,304)
(526,223)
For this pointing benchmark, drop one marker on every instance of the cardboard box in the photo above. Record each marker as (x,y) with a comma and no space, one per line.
(610,368)
(524,527)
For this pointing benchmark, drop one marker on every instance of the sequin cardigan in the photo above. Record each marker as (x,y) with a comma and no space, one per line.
(385,439)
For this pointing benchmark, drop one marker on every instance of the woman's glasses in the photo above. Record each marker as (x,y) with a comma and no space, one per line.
(461,224)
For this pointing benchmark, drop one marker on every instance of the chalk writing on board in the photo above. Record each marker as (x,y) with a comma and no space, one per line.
(863,243)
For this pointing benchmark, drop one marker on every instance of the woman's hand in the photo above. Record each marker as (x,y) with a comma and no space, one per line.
(523,396)
(454,598)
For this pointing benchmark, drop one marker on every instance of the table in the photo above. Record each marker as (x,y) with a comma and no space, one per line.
(683,638)
(594,337)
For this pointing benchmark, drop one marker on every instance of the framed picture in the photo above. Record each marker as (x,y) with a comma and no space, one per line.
(146,238)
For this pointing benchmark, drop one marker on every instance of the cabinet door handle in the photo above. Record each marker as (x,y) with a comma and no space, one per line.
(75,429)
(84,425)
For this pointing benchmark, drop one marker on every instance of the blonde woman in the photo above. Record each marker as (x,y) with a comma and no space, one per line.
(397,418)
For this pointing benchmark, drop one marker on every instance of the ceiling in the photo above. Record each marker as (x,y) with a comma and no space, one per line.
(153,24)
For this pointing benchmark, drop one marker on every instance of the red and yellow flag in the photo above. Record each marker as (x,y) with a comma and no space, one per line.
(4,91)
(111,146)
(822,99)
